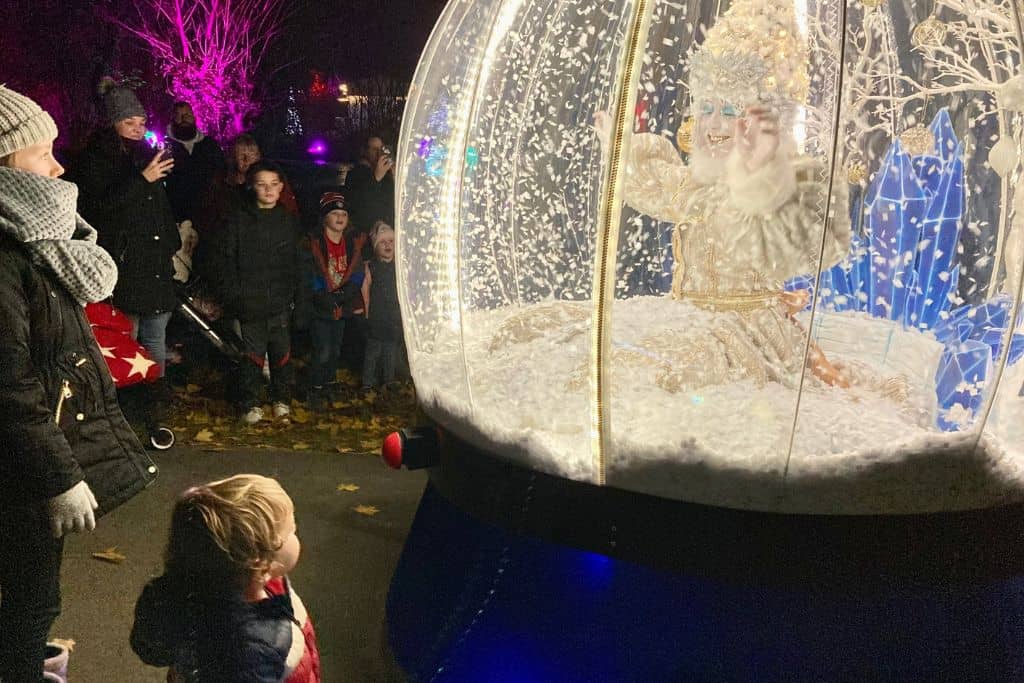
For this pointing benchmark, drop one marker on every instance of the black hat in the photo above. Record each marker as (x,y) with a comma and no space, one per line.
(331,201)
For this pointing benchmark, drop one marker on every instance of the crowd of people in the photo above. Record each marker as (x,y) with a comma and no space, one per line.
(143,227)
(186,218)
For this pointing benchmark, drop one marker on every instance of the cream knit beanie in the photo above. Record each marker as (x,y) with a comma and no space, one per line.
(22,122)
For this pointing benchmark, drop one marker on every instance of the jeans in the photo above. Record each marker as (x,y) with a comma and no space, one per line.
(326,336)
(151,332)
(30,559)
(261,338)
(379,362)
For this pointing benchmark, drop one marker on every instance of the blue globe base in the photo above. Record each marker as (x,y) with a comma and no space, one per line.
(473,601)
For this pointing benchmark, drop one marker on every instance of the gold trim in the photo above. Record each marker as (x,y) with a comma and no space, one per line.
(608,237)
(741,302)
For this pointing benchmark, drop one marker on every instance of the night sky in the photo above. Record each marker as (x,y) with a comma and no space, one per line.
(358,38)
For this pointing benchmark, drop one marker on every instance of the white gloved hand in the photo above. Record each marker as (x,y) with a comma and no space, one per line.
(72,510)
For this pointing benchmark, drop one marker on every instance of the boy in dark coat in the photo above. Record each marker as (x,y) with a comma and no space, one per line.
(259,278)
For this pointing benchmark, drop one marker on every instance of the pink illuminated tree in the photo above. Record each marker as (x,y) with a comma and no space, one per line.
(210,52)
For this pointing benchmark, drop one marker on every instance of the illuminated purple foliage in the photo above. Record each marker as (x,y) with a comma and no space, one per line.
(210,52)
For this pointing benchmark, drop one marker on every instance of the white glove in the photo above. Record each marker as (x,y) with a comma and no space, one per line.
(72,510)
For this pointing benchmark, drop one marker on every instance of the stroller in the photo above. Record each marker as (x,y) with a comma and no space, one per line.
(136,375)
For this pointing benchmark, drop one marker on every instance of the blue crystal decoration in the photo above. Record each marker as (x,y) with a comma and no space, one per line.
(905,267)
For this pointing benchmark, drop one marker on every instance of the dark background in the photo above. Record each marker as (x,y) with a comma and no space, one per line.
(56,51)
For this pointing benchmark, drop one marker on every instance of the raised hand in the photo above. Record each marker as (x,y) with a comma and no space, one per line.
(158,168)
(758,137)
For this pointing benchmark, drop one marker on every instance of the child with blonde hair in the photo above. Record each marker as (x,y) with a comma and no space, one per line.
(224,610)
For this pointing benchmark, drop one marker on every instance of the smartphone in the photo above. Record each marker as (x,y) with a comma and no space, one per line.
(386,151)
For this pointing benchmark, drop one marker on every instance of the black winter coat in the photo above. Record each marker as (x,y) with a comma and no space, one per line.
(60,421)
(192,175)
(371,200)
(259,263)
(134,220)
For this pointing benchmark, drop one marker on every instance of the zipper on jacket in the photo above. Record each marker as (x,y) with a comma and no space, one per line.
(65,394)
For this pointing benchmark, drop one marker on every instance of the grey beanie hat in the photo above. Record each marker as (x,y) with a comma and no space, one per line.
(22,122)
(120,104)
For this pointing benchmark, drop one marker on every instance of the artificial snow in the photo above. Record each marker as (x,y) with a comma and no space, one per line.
(522,391)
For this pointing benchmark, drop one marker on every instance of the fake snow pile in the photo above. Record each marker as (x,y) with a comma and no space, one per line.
(853,450)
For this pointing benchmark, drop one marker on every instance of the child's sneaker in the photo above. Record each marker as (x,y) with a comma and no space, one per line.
(281,410)
(253,415)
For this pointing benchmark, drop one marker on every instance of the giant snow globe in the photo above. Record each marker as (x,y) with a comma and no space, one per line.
(754,255)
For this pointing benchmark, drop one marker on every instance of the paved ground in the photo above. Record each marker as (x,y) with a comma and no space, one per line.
(343,575)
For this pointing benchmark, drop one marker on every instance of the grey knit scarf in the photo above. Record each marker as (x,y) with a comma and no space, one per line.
(40,212)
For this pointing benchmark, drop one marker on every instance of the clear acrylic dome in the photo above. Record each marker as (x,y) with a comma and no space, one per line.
(763,254)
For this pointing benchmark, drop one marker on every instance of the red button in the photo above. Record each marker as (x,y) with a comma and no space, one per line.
(392,450)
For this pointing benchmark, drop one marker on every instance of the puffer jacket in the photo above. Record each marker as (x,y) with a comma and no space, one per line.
(134,220)
(259,263)
(212,639)
(60,421)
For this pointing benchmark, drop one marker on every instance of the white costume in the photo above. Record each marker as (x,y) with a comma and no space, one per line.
(734,244)
(741,234)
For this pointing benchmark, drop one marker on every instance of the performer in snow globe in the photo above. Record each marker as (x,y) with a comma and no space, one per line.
(748,209)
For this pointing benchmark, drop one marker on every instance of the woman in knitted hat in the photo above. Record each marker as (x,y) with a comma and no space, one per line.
(67,455)
(121,180)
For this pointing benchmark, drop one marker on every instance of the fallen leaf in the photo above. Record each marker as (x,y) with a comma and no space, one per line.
(193,388)
(300,415)
(344,449)
(110,555)
(348,487)
(367,510)
(69,643)
(300,446)
(372,445)
(203,436)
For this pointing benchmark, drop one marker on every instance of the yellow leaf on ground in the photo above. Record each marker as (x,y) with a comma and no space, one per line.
(110,555)
(348,487)
(69,643)
(300,446)
(344,449)
(371,445)
(203,436)
(300,415)
(367,510)
(193,388)
(338,405)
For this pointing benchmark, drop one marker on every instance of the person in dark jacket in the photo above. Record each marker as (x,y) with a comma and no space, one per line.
(384,320)
(197,161)
(67,455)
(259,281)
(121,182)
(370,186)
(224,611)
(330,294)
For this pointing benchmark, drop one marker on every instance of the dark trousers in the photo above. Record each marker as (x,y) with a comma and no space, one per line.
(269,337)
(379,362)
(30,560)
(326,336)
